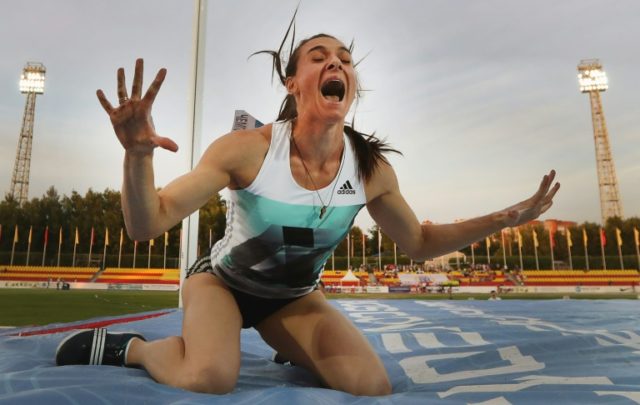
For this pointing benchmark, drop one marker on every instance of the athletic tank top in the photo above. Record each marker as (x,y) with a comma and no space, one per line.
(275,244)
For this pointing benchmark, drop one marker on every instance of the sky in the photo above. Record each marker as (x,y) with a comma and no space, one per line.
(480,96)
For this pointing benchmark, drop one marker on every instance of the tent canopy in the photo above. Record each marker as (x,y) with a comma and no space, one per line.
(349,277)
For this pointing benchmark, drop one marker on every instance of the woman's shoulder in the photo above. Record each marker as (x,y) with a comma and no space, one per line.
(240,153)
(243,141)
(256,136)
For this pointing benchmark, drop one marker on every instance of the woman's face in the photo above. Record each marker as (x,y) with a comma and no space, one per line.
(325,82)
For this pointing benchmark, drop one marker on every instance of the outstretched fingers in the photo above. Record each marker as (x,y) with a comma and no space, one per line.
(549,197)
(122,87)
(131,115)
(104,102)
(551,176)
(546,182)
(154,88)
(136,88)
(547,201)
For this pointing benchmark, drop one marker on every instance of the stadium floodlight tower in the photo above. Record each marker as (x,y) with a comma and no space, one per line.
(31,84)
(593,80)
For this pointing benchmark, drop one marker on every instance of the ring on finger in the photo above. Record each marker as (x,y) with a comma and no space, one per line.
(123,99)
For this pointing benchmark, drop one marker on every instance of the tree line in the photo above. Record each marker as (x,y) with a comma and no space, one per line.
(52,215)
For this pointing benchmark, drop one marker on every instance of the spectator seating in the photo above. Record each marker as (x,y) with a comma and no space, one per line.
(139,276)
(581,277)
(86,274)
(44,273)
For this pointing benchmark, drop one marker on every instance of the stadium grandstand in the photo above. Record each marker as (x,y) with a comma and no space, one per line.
(426,281)
(51,275)
(334,280)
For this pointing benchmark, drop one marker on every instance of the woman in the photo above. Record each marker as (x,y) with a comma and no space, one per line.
(296,186)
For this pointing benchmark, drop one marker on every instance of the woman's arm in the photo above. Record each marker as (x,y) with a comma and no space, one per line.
(148,212)
(390,210)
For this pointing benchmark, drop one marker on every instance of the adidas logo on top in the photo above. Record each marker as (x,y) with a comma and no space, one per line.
(346,188)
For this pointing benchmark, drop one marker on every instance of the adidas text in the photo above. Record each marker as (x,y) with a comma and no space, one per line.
(346,188)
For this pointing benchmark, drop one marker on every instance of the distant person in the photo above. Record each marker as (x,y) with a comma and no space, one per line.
(288,212)
(493,296)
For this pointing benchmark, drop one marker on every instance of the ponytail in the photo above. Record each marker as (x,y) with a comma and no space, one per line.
(369,151)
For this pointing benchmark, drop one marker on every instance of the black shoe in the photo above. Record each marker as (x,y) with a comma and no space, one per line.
(95,347)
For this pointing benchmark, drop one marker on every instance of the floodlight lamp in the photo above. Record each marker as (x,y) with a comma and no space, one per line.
(591,77)
(32,78)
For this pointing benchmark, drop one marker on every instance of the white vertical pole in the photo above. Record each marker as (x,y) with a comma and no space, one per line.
(46,242)
(364,257)
(190,224)
(348,251)
(379,249)
(29,245)
(59,246)
(135,252)
(164,255)
(395,254)
(551,243)
(504,250)
(120,247)
(473,255)
(486,242)
(104,252)
(149,255)
(569,243)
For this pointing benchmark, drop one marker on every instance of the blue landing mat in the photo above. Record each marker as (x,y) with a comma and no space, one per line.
(451,352)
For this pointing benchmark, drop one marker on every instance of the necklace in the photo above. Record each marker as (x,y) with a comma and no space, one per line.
(323,209)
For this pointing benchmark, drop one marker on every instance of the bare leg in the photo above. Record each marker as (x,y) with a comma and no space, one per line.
(206,358)
(313,334)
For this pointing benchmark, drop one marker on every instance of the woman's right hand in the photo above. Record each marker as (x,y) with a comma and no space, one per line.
(131,119)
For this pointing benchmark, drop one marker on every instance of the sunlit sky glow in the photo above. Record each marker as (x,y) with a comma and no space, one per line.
(481,96)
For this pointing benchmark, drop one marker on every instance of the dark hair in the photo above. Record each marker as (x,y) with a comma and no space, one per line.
(369,149)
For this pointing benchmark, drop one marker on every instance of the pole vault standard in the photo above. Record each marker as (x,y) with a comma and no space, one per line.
(189,238)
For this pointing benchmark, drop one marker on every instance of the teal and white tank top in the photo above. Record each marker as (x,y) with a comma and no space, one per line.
(275,243)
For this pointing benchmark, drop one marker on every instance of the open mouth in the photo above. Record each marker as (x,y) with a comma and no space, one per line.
(333,90)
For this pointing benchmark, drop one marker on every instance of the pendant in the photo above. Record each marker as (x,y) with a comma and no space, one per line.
(322,211)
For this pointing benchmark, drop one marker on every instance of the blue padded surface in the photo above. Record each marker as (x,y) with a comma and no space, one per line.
(489,352)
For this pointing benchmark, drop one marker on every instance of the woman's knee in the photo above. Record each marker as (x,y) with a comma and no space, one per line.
(379,386)
(210,379)
(372,385)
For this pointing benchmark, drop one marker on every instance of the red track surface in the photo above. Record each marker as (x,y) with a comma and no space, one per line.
(90,325)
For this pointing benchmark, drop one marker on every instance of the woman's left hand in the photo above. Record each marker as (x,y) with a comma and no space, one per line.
(532,207)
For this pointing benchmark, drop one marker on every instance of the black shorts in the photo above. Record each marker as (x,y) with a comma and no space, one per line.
(253,309)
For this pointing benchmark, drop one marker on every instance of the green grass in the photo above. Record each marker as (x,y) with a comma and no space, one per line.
(21,307)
